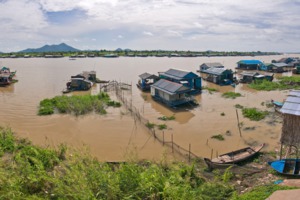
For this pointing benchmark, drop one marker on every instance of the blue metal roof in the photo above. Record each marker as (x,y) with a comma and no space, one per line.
(292,103)
(170,87)
(250,62)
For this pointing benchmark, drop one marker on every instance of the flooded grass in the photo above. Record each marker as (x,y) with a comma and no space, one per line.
(254,114)
(166,118)
(231,95)
(218,137)
(78,105)
(284,83)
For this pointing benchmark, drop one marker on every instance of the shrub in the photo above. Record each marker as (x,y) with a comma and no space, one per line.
(254,114)
(231,95)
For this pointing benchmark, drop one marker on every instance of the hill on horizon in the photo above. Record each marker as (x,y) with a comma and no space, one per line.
(51,48)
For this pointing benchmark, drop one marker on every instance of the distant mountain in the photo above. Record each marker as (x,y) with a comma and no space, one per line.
(51,48)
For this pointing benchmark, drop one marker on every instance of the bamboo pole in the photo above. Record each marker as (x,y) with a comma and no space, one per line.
(237,116)
(172,143)
(189,152)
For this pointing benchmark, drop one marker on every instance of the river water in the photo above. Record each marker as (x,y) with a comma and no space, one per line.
(116,136)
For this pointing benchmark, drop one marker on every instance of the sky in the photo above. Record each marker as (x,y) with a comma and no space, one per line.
(194,25)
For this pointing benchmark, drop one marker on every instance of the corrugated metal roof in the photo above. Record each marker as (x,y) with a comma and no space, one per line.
(215,71)
(148,76)
(175,73)
(213,64)
(250,62)
(279,64)
(169,86)
(292,103)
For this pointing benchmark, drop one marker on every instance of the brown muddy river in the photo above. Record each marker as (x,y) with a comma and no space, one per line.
(116,136)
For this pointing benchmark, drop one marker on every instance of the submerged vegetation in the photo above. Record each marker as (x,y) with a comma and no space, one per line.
(254,114)
(210,90)
(231,95)
(166,118)
(77,105)
(284,83)
(218,137)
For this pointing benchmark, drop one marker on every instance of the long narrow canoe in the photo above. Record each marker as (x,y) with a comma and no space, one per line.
(286,166)
(233,157)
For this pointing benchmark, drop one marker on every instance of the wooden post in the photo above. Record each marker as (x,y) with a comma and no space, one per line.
(189,152)
(172,143)
(280,151)
(211,153)
(207,142)
(163,138)
(237,115)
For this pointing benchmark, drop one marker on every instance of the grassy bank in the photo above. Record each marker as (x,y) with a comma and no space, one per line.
(31,172)
(77,105)
(284,83)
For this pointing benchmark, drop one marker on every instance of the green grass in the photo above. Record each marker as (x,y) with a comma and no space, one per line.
(284,83)
(78,105)
(261,192)
(31,172)
(210,90)
(231,95)
(218,137)
(254,114)
(166,118)
(162,126)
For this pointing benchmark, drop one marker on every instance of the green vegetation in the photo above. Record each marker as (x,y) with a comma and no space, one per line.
(162,126)
(284,83)
(218,137)
(210,90)
(77,105)
(31,172)
(254,114)
(165,118)
(231,95)
(261,192)
(238,106)
(150,125)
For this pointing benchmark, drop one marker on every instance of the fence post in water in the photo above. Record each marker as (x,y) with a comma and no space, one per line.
(237,115)
(190,152)
(163,138)
(172,143)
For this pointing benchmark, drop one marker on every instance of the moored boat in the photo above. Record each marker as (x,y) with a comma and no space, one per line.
(286,166)
(233,157)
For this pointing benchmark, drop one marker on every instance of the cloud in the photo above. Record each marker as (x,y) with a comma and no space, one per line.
(148,33)
(174,23)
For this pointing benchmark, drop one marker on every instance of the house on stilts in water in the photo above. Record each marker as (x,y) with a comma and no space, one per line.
(290,136)
(146,80)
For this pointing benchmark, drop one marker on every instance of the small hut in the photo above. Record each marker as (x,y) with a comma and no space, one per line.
(276,67)
(206,66)
(249,77)
(146,80)
(291,119)
(220,76)
(250,65)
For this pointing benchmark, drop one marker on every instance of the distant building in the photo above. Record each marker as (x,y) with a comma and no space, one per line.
(276,67)
(206,66)
(220,76)
(249,77)
(250,65)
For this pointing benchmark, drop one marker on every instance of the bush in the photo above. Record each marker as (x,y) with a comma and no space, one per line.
(254,114)
(231,95)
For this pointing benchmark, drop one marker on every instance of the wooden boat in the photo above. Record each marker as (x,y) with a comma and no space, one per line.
(286,166)
(233,157)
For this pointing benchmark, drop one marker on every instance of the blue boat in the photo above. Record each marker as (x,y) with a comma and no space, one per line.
(286,166)
(277,103)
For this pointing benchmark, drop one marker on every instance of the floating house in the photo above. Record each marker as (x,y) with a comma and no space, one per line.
(206,66)
(187,79)
(83,81)
(146,80)
(250,65)
(6,76)
(79,84)
(249,77)
(276,67)
(220,76)
(171,93)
